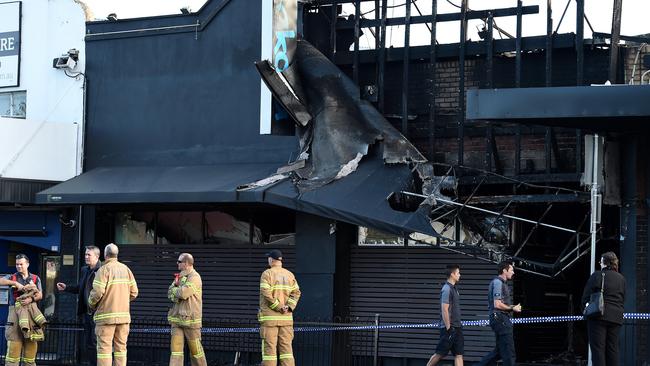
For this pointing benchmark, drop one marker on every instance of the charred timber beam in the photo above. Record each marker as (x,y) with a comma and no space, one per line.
(530,198)
(451,50)
(448,17)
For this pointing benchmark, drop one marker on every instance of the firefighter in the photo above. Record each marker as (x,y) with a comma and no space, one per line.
(18,348)
(185,314)
(279,294)
(114,288)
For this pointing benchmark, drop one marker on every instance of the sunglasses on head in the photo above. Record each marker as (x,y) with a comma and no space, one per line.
(179,261)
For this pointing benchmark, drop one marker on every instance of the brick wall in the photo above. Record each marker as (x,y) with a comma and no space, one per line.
(630,55)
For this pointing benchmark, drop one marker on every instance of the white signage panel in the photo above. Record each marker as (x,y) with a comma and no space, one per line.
(10,44)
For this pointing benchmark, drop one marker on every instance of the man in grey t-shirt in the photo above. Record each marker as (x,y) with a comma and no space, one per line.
(451,334)
(500,310)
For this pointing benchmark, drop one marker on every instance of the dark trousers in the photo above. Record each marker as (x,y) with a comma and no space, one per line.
(603,340)
(505,348)
(88,347)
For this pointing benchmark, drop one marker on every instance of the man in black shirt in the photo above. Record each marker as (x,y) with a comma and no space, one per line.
(451,336)
(82,289)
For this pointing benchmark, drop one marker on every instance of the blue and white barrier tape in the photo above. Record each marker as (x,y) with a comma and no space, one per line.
(468,323)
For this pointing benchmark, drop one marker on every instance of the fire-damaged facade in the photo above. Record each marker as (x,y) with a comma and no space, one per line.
(371,169)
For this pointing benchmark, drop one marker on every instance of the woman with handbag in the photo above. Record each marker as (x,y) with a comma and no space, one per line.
(605,289)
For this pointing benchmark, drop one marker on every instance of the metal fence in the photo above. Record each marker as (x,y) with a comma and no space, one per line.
(225,341)
(59,346)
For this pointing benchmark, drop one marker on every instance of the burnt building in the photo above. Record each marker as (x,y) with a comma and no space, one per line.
(382,143)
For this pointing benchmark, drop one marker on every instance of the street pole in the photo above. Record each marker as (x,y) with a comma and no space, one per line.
(595,208)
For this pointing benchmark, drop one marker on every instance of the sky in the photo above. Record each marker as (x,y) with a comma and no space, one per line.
(598,12)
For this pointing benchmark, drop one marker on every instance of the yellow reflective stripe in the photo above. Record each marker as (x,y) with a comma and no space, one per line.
(284,287)
(121,282)
(269,358)
(39,318)
(264,285)
(23,321)
(291,301)
(17,305)
(284,356)
(104,355)
(110,315)
(177,354)
(275,304)
(199,355)
(12,359)
(278,317)
(35,337)
(28,360)
(173,319)
(100,283)
(119,354)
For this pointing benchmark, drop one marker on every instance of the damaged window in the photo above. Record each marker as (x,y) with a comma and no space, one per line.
(369,236)
(135,228)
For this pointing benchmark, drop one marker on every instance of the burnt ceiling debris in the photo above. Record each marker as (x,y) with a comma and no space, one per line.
(337,129)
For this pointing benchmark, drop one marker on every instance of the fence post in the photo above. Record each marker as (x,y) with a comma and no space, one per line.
(375,342)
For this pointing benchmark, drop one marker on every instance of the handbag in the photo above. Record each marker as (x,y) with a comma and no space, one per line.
(596,305)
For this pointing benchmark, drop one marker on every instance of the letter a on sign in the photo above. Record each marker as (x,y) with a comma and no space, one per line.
(285,15)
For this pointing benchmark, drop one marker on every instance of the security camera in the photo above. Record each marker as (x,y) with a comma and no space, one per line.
(112,17)
(67,222)
(64,62)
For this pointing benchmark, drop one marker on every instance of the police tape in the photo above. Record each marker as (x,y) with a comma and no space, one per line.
(366,327)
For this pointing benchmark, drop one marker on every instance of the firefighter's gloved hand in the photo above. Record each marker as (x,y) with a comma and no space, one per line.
(284,309)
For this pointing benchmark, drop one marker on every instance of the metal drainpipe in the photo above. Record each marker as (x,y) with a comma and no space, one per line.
(375,342)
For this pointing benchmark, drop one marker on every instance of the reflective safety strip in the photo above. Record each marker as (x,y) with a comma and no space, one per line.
(275,304)
(277,317)
(36,337)
(104,355)
(173,319)
(265,285)
(121,282)
(28,360)
(119,354)
(99,283)
(17,305)
(199,348)
(267,358)
(284,356)
(284,287)
(39,318)
(177,354)
(12,359)
(23,321)
(110,315)
(291,301)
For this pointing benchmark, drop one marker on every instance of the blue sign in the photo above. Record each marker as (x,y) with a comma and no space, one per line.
(285,15)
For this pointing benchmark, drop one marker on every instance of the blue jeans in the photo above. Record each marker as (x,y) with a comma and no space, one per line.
(505,348)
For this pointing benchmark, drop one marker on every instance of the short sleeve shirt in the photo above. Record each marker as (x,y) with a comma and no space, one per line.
(449,295)
(22,281)
(498,290)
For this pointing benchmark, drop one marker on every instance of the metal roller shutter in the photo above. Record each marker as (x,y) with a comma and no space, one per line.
(402,284)
(230,276)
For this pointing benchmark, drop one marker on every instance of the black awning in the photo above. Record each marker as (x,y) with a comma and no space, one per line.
(180,184)
(589,107)
(359,198)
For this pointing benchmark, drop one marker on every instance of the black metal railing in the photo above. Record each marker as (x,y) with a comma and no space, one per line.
(59,346)
(225,341)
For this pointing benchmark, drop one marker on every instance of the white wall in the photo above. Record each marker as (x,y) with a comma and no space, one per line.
(47,144)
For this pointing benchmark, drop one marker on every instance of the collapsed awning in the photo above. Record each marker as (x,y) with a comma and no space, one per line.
(359,198)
